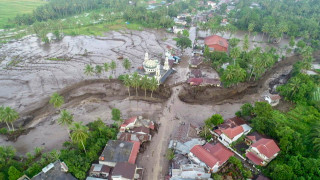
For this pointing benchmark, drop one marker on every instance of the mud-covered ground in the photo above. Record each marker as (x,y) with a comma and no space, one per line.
(35,77)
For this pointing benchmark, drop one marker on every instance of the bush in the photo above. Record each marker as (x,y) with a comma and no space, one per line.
(116,114)
(4,131)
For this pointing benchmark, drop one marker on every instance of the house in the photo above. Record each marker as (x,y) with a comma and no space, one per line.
(177,30)
(216,43)
(126,171)
(262,152)
(210,156)
(190,171)
(119,151)
(273,100)
(99,171)
(140,130)
(54,171)
(195,81)
(195,73)
(196,61)
(129,123)
(230,135)
(180,22)
(184,148)
(125,136)
(224,22)
(252,138)
(136,122)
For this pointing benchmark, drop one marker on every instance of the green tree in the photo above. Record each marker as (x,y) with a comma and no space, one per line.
(185,33)
(2,118)
(135,81)
(79,134)
(153,85)
(292,41)
(251,28)
(170,154)
(126,64)
(246,109)
(65,119)
(98,69)
(14,173)
(106,67)
(184,43)
(116,114)
(9,115)
(234,42)
(245,45)
(214,120)
(127,82)
(56,100)
(235,53)
(113,65)
(88,70)
(145,84)
(233,75)
(205,132)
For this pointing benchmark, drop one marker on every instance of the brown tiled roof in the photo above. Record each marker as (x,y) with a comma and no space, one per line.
(267,147)
(134,152)
(233,132)
(134,137)
(211,81)
(141,129)
(255,159)
(254,136)
(124,169)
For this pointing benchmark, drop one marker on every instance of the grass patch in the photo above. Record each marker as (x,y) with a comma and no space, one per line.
(57,59)
(11,8)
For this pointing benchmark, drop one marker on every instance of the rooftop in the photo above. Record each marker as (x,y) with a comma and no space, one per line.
(267,147)
(125,170)
(54,171)
(117,151)
(215,39)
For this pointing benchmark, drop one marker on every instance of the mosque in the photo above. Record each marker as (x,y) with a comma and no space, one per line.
(153,68)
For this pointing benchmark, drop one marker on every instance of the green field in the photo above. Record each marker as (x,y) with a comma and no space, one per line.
(10,8)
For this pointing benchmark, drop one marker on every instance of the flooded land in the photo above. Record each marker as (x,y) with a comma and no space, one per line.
(39,70)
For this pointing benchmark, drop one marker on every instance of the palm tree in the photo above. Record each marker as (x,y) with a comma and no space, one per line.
(126,64)
(88,70)
(235,53)
(106,67)
(294,85)
(153,85)
(56,100)
(2,118)
(113,65)
(251,28)
(98,69)
(79,134)
(9,116)
(245,46)
(145,84)
(307,52)
(127,82)
(65,119)
(135,80)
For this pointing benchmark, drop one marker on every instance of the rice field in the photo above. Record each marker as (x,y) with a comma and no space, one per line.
(11,8)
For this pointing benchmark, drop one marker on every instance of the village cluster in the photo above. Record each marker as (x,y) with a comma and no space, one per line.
(117,160)
(196,158)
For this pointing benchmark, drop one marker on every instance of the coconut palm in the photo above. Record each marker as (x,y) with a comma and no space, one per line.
(126,64)
(127,82)
(106,67)
(145,84)
(65,119)
(113,66)
(79,134)
(56,100)
(153,85)
(2,118)
(88,70)
(98,69)
(251,28)
(135,81)
(9,115)
(245,46)
(235,53)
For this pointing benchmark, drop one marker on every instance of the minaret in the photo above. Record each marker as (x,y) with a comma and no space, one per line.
(146,57)
(166,64)
(158,74)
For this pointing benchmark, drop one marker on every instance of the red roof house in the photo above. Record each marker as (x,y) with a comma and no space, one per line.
(217,43)
(128,123)
(134,152)
(212,156)
(233,132)
(263,151)
(195,81)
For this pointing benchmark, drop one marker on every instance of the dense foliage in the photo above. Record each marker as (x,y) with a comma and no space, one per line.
(297,131)
(276,18)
